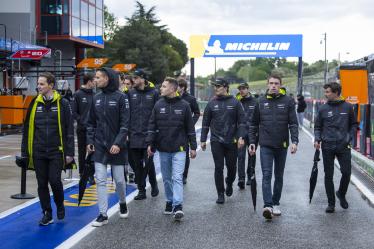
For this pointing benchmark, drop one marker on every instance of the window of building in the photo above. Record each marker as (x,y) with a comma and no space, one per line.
(84,28)
(51,24)
(92,31)
(75,10)
(51,7)
(92,14)
(99,17)
(75,27)
(84,11)
(99,4)
(66,7)
(65,25)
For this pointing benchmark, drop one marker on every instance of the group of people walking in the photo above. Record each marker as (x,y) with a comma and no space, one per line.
(128,120)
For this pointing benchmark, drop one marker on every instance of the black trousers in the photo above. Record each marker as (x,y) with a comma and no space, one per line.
(224,153)
(241,163)
(143,167)
(82,144)
(187,164)
(344,158)
(48,170)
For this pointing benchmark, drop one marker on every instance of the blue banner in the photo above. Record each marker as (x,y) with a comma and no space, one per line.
(253,46)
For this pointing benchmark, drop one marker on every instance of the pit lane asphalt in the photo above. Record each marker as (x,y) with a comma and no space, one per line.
(235,224)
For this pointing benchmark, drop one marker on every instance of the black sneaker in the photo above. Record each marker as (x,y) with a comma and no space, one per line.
(221,198)
(155,191)
(178,213)
(101,220)
(61,212)
(241,184)
(330,209)
(141,195)
(184,180)
(123,211)
(343,201)
(229,190)
(46,219)
(168,208)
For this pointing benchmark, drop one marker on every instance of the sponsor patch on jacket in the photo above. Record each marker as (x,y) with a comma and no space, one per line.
(112,103)
(266,105)
(230,107)
(134,96)
(150,96)
(39,109)
(215,108)
(84,100)
(329,114)
(163,110)
(178,112)
(98,102)
(343,113)
(54,108)
(281,106)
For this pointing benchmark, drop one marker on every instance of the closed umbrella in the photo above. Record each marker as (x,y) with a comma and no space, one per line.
(313,175)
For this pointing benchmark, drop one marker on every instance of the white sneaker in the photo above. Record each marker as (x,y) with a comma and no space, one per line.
(276,210)
(267,213)
(101,220)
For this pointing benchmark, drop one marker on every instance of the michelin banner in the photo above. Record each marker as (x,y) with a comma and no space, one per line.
(245,46)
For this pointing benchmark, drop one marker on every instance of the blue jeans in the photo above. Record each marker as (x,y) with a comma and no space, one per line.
(172,167)
(269,155)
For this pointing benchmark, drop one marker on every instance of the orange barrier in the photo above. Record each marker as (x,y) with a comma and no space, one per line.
(13,109)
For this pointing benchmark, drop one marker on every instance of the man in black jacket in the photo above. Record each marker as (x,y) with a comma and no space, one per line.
(48,143)
(249,104)
(82,100)
(273,118)
(191,100)
(335,126)
(142,97)
(225,117)
(171,131)
(107,130)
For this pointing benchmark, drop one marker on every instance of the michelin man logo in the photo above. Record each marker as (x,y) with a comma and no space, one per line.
(215,49)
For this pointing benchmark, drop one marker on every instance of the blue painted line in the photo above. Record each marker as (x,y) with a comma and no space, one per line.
(21,229)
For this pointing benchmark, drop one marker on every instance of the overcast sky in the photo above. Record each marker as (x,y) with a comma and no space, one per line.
(349,24)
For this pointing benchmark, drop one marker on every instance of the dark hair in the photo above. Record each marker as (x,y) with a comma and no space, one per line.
(50,77)
(334,86)
(183,84)
(87,77)
(275,76)
(172,81)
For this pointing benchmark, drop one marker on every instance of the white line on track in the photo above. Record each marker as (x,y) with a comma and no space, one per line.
(4,157)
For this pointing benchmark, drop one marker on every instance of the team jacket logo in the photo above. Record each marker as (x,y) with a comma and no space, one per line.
(163,110)
(84,100)
(329,114)
(178,112)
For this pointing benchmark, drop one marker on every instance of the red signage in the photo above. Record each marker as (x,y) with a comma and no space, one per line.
(30,54)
